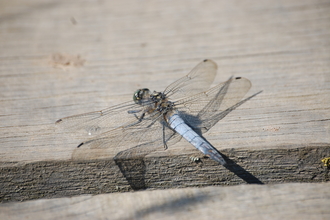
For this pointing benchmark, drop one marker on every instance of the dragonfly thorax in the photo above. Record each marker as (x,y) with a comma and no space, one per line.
(156,100)
(161,102)
(157,96)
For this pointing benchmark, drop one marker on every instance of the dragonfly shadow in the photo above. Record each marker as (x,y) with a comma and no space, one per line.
(134,171)
(240,172)
(133,167)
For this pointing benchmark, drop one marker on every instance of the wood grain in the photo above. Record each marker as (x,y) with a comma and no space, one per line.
(305,201)
(63,58)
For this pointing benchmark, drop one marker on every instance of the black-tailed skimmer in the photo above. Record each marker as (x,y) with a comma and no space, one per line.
(186,108)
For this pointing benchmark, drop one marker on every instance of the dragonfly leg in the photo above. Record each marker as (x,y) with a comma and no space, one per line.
(164,141)
(138,118)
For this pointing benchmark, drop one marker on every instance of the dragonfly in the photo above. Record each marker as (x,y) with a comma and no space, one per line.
(187,109)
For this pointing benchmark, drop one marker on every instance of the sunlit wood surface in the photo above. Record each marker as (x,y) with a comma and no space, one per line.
(60,58)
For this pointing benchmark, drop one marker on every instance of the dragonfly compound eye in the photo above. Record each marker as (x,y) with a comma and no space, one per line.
(140,94)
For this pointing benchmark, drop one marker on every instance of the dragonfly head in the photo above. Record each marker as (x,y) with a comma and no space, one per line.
(141,94)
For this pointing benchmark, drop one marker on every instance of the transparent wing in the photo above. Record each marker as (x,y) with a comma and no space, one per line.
(198,80)
(202,111)
(94,123)
(132,141)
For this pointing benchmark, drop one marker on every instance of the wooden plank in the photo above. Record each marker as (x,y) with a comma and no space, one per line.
(282,201)
(63,58)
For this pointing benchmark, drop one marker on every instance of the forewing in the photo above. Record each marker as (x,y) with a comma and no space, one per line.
(202,111)
(198,80)
(94,123)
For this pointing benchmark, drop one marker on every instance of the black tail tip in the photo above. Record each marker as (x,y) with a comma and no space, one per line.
(80,145)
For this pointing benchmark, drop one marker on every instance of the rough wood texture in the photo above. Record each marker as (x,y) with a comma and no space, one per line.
(63,58)
(305,201)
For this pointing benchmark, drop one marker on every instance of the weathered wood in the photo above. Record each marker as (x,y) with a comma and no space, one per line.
(69,178)
(284,201)
(58,59)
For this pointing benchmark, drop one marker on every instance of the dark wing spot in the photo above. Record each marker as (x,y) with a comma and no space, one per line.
(238,77)
(205,60)
(58,121)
